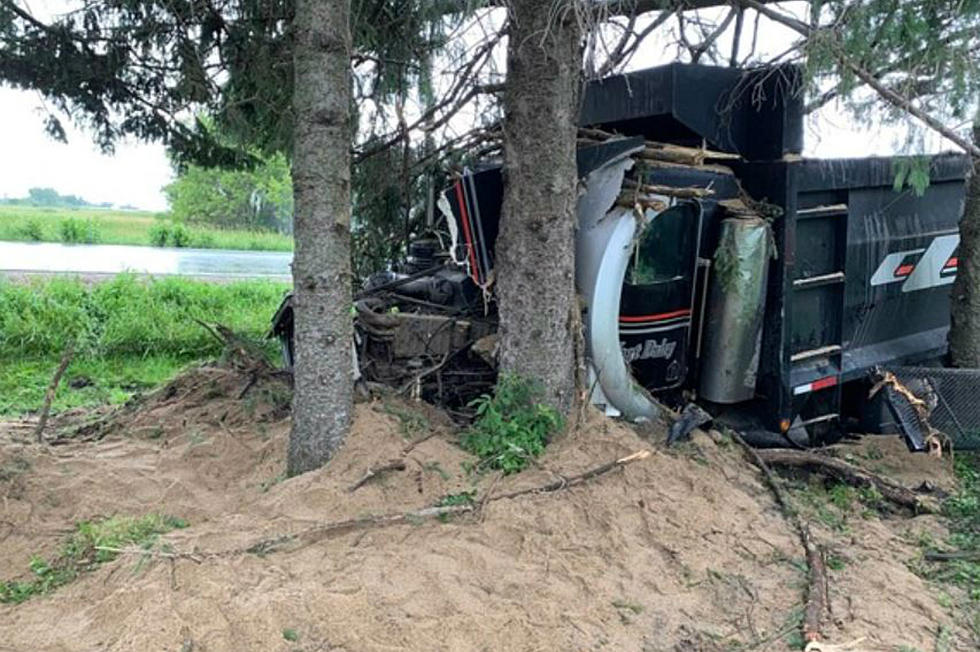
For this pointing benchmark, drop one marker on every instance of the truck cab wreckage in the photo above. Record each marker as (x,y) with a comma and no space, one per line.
(714,263)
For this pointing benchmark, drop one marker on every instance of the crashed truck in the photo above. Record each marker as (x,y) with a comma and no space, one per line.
(715,264)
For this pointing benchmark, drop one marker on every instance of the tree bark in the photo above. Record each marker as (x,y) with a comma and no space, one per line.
(323,373)
(536,247)
(964,326)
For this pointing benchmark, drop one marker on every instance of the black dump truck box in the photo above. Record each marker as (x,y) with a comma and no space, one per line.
(864,276)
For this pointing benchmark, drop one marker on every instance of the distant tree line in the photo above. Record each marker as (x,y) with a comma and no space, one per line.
(51,197)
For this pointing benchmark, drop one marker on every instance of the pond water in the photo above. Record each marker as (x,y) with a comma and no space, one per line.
(112,259)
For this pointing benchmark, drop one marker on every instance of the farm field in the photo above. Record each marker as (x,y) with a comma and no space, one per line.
(97,226)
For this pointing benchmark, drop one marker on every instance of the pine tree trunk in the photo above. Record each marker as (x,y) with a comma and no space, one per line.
(535,259)
(964,331)
(322,400)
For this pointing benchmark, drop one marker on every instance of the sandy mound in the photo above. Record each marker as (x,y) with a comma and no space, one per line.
(682,551)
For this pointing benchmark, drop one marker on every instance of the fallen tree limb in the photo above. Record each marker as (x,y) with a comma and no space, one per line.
(565,483)
(817,594)
(318,533)
(143,552)
(339,528)
(852,475)
(331,530)
(961,555)
(668,152)
(66,359)
(375,471)
(415,442)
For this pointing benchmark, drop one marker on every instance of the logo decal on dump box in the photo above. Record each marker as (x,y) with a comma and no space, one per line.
(649,349)
(920,268)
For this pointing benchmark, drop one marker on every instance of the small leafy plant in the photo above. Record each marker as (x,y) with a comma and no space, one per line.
(180,236)
(511,427)
(72,231)
(462,498)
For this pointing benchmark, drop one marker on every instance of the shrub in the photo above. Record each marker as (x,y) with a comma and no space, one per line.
(92,233)
(203,240)
(76,231)
(32,230)
(179,235)
(159,234)
(163,234)
(511,426)
(72,230)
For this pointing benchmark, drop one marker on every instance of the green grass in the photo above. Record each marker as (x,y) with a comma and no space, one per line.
(91,544)
(835,505)
(963,511)
(412,422)
(88,382)
(132,333)
(40,224)
(129,315)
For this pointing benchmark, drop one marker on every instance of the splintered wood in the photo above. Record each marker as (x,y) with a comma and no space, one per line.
(663,152)
(690,192)
(644,196)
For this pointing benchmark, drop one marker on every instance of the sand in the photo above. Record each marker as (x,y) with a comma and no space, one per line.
(684,550)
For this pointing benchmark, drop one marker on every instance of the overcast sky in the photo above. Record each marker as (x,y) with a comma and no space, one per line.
(137,172)
(30,158)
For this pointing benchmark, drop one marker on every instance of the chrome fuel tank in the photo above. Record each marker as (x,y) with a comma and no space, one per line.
(735,309)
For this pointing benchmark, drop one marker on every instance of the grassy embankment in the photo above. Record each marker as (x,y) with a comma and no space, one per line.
(133,334)
(962,548)
(39,224)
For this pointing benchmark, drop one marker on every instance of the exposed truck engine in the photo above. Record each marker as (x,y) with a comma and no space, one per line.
(715,264)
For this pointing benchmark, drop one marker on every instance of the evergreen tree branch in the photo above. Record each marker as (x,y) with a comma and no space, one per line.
(888,94)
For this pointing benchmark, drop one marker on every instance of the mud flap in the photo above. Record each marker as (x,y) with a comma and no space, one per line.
(908,411)
(907,419)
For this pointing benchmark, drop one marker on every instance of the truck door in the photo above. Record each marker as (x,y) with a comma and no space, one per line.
(657,298)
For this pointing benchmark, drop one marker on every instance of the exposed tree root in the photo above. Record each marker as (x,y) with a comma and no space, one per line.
(852,475)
